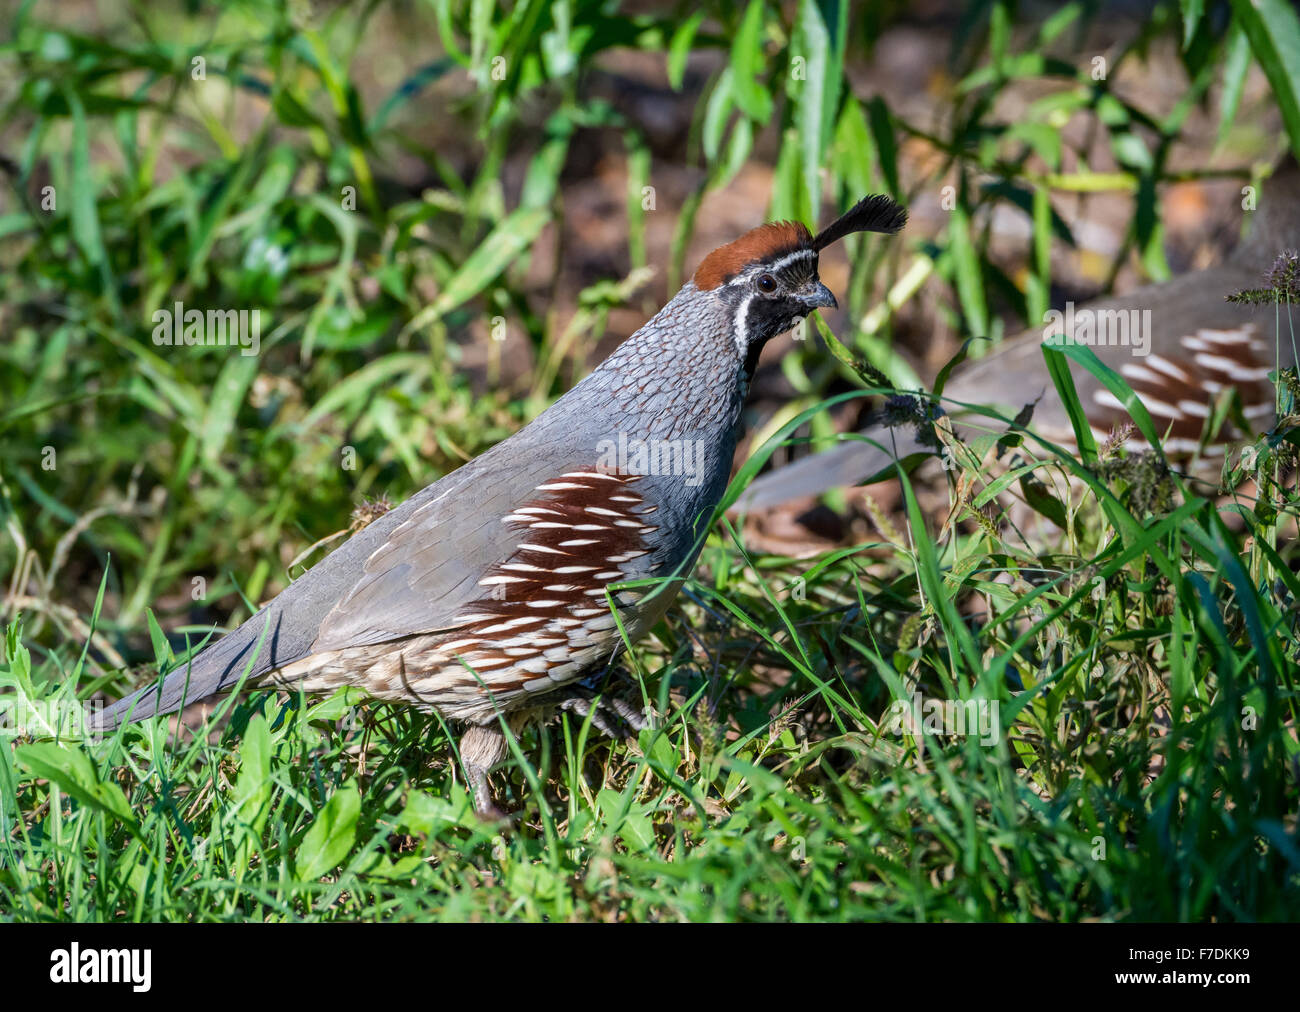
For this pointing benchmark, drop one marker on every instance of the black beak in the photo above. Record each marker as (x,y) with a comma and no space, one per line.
(817,295)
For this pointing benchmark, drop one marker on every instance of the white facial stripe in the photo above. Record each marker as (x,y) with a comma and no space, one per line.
(740,325)
(790,258)
(744,277)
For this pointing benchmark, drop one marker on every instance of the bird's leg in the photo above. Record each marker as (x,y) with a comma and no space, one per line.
(482,746)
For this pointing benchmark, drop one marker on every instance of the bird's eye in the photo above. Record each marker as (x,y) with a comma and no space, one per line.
(766,283)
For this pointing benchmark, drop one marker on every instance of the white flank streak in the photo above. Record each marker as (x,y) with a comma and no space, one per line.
(1108,400)
(1139,372)
(1234,370)
(589,474)
(1163,365)
(1241,336)
(579,542)
(1181,444)
(524,567)
(561,486)
(517,641)
(1194,408)
(488,662)
(541,548)
(512,624)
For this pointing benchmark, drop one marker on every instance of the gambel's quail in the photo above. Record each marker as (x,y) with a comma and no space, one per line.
(1178,344)
(489,593)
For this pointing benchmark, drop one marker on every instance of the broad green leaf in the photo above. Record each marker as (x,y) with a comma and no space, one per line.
(228,393)
(1236,63)
(71,769)
(814,86)
(1192,13)
(882,132)
(493,255)
(679,49)
(1274,32)
(966,267)
(747,60)
(331,834)
(253,789)
(85,214)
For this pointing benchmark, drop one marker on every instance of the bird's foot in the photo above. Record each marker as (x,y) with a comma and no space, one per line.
(612,716)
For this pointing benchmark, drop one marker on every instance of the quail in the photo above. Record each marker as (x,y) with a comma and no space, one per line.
(1197,345)
(490,595)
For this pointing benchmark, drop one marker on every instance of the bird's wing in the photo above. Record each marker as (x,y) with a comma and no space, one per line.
(420,576)
(402,575)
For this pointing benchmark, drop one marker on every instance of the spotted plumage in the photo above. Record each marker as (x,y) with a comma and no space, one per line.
(492,594)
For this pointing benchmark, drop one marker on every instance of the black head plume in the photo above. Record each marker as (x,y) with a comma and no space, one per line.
(876,213)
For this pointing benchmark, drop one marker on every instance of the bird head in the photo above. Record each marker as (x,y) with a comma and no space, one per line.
(767,279)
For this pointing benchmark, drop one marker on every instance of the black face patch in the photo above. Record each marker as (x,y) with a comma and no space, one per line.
(762,299)
(769,317)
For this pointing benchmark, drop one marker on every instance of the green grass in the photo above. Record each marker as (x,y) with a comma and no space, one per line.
(1142,664)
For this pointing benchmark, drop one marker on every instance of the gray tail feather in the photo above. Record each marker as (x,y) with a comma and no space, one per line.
(870,454)
(215,669)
